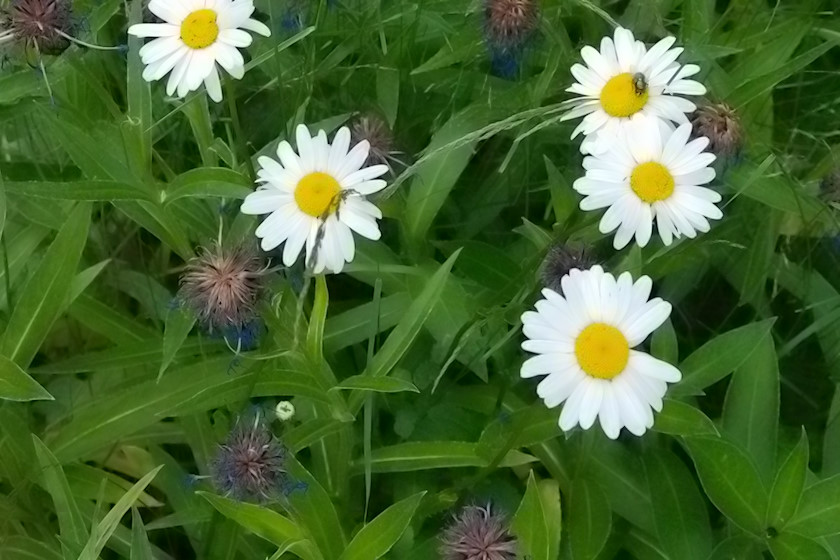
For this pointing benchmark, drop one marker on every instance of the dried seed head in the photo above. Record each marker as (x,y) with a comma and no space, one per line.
(39,22)
(560,259)
(721,125)
(508,24)
(476,533)
(830,186)
(222,287)
(375,130)
(251,464)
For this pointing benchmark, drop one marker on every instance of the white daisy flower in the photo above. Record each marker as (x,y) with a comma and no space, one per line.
(652,172)
(583,341)
(625,78)
(195,36)
(317,198)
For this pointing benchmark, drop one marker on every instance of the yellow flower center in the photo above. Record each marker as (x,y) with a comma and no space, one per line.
(602,351)
(199,29)
(317,194)
(620,97)
(652,181)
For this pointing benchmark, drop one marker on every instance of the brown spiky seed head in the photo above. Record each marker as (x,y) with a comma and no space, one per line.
(477,533)
(38,22)
(251,464)
(222,286)
(721,125)
(560,259)
(509,23)
(376,131)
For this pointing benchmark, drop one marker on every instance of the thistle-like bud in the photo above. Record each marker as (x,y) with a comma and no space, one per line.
(477,533)
(508,25)
(721,125)
(251,464)
(560,259)
(372,128)
(44,24)
(222,286)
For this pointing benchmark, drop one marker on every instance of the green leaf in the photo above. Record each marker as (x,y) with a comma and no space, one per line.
(89,190)
(314,509)
(564,199)
(140,547)
(208,181)
(179,323)
(818,514)
(679,510)
(590,519)
(70,521)
(680,419)
(731,481)
(137,129)
(663,343)
(265,523)
(103,531)
(443,161)
(787,488)
(790,546)
(388,92)
(17,385)
(751,407)
(377,537)
(317,319)
(406,331)
(720,356)
(13,547)
(3,205)
(377,384)
(537,522)
(43,297)
(418,456)
(737,547)
(353,326)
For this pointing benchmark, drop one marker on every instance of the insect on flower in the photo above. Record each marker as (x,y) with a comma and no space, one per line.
(316,199)
(640,85)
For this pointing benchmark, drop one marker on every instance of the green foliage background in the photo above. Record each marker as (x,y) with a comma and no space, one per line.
(404,371)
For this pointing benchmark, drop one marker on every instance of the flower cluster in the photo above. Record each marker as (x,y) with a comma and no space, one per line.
(642,165)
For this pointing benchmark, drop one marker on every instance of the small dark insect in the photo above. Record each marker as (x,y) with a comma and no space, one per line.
(640,84)
(335,206)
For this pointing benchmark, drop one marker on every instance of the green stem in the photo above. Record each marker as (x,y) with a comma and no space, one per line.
(230,92)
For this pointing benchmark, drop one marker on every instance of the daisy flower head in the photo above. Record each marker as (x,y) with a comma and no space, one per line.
(584,343)
(625,78)
(652,172)
(195,37)
(316,198)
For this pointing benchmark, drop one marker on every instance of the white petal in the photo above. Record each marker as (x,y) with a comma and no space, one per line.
(362,224)
(263,201)
(609,416)
(646,364)
(650,318)
(591,405)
